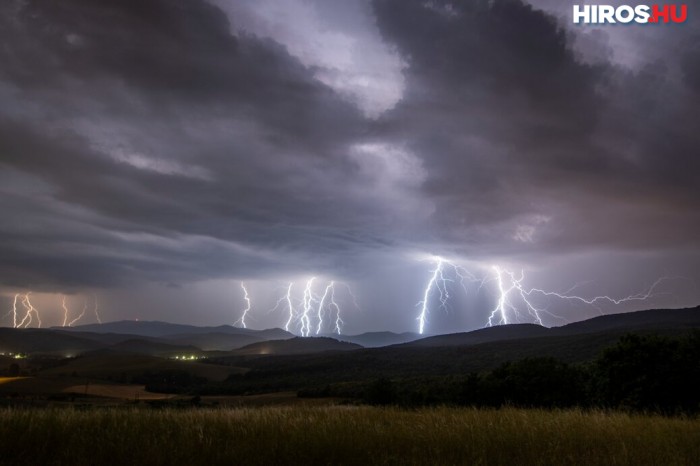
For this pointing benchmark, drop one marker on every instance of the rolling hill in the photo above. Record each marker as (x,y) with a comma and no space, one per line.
(164,329)
(154,348)
(297,345)
(108,364)
(484,335)
(214,341)
(44,341)
(378,339)
(631,321)
(459,354)
(295,363)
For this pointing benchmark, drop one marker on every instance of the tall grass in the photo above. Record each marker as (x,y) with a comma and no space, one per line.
(343,435)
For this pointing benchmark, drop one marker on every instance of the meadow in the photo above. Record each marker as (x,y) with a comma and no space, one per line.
(343,435)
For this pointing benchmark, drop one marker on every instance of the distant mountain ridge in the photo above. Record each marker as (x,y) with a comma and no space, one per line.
(378,339)
(298,345)
(153,328)
(163,338)
(655,318)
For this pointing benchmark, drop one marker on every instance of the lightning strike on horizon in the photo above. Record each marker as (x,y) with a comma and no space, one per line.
(312,311)
(515,303)
(65,310)
(13,311)
(86,305)
(319,314)
(246,297)
(97,314)
(288,298)
(307,303)
(438,281)
(338,320)
(28,319)
(82,314)
(328,302)
(422,317)
(504,304)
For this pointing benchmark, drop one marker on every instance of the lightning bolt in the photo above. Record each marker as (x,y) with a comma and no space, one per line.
(432,283)
(329,303)
(515,302)
(338,320)
(312,310)
(307,304)
(97,314)
(86,305)
(642,296)
(82,314)
(505,306)
(500,313)
(439,283)
(65,310)
(319,314)
(288,298)
(246,297)
(13,311)
(31,310)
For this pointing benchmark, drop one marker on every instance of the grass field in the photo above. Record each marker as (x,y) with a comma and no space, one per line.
(48,386)
(343,435)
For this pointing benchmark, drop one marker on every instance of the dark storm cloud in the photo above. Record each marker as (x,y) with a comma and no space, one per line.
(146,140)
(154,118)
(519,134)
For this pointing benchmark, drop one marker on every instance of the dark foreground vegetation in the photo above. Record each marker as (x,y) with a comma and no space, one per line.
(645,373)
(343,435)
(640,373)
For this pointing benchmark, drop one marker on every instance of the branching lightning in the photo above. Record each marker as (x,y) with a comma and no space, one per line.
(30,315)
(97,314)
(307,304)
(65,310)
(515,303)
(338,320)
(500,314)
(313,312)
(288,298)
(439,283)
(86,305)
(246,298)
(328,302)
(82,314)
(319,314)
(643,296)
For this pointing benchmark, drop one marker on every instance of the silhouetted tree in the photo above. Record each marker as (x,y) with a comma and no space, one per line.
(651,373)
(541,382)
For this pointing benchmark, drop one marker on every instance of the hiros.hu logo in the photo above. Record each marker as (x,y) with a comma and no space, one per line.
(626,14)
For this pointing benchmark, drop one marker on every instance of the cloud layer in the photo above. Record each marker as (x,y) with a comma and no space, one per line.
(152,141)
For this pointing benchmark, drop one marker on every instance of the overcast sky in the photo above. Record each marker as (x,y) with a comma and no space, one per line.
(157,153)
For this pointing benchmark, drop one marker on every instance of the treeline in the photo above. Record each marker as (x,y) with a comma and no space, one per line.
(640,373)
